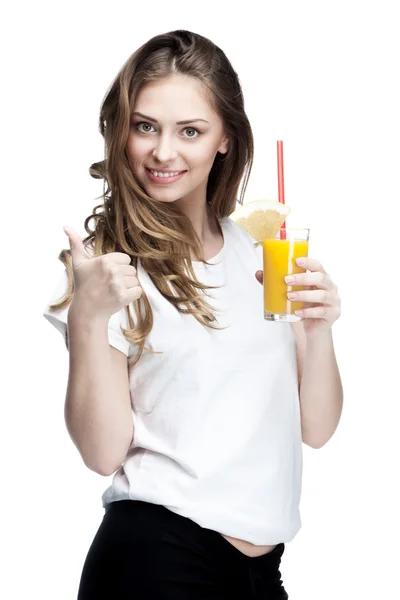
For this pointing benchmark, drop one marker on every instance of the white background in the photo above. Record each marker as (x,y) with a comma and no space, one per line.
(321,76)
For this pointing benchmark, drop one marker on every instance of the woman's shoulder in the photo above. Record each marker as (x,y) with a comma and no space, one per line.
(242,241)
(237,233)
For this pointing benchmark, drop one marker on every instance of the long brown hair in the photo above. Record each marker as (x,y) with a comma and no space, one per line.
(130,221)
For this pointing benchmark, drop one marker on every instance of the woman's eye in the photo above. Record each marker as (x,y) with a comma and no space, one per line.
(193,129)
(145,125)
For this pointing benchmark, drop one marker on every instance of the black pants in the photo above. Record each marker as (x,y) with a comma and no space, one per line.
(144,551)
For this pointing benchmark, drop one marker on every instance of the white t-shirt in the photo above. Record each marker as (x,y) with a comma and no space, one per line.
(217,431)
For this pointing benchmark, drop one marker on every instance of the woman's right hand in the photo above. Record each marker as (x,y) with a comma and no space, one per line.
(103,284)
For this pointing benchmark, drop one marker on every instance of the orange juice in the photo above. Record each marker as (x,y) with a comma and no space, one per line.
(279,261)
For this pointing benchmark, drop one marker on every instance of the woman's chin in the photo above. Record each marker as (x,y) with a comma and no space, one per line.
(162,195)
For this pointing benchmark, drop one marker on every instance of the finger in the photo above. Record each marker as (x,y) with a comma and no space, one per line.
(130,281)
(318,279)
(315,312)
(135,293)
(313,296)
(127,270)
(119,258)
(311,264)
(78,251)
(260,276)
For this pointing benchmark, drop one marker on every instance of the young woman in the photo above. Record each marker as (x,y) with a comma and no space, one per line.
(175,380)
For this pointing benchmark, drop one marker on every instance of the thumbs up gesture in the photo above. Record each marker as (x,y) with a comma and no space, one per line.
(103,284)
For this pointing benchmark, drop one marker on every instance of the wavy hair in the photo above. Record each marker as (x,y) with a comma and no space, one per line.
(128,220)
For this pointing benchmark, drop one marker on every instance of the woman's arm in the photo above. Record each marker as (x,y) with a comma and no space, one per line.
(320,386)
(98,411)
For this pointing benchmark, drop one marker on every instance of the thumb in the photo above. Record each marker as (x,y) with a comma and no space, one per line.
(260,276)
(78,251)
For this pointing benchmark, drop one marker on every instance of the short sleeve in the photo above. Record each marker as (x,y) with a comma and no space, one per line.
(58,318)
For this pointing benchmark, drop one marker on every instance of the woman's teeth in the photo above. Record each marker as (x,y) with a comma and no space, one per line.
(157,174)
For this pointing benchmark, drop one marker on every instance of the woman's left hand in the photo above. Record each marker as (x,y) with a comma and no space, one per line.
(322,305)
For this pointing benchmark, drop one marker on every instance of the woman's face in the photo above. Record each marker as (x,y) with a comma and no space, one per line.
(159,141)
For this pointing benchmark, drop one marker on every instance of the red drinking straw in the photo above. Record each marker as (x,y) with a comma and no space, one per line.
(281,186)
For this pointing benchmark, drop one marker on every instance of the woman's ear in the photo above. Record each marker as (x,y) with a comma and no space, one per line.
(224,147)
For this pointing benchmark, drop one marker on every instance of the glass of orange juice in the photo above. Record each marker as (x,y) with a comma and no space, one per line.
(280,252)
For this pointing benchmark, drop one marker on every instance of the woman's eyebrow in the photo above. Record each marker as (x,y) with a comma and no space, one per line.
(178,122)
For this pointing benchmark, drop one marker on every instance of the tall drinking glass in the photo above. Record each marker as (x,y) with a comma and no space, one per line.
(280,253)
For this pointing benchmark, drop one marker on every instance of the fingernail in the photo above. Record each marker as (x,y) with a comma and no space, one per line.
(300,261)
(290,279)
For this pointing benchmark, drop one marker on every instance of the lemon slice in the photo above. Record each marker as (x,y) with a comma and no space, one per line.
(261,218)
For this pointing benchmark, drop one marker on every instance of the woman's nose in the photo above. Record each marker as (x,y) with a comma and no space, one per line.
(164,151)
